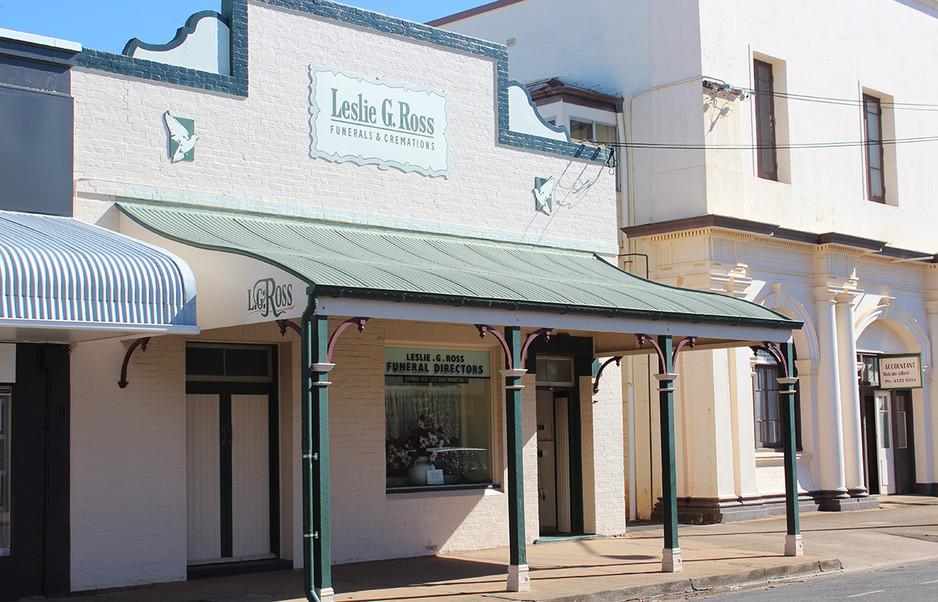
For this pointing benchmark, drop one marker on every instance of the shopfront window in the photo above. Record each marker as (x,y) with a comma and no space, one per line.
(438,417)
(6,402)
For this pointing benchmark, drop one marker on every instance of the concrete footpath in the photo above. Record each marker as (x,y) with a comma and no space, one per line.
(903,531)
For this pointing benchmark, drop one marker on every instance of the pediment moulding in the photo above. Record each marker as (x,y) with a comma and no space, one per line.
(834,291)
(741,229)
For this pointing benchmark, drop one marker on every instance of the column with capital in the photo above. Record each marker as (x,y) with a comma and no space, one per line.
(830,453)
(850,395)
(931,399)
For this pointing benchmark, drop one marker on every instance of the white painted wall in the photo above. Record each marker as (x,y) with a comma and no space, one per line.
(128,465)
(253,152)
(835,49)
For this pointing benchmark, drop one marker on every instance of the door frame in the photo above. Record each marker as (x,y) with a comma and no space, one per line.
(904,469)
(225,389)
(871,439)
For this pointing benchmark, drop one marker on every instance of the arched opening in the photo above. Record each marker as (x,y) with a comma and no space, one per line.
(889,367)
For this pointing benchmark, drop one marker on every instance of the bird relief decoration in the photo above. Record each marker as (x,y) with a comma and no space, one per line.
(182,138)
(543,194)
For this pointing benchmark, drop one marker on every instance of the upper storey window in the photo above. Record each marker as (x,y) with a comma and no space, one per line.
(873,138)
(766,139)
(592,131)
(881,180)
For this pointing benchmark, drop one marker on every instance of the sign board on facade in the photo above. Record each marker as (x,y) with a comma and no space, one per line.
(374,122)
(900,371)
(7,362)
(428,366)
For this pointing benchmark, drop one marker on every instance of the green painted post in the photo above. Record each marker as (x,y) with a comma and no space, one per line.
(518,564)
(317,553)
(671,560)
(793,544)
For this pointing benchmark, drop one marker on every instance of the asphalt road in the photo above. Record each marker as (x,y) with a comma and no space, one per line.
(912,582)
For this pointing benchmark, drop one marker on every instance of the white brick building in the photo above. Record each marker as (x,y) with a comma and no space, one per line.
(776,152)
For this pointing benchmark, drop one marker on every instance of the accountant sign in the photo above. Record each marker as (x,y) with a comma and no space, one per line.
(900,371)
(374,122)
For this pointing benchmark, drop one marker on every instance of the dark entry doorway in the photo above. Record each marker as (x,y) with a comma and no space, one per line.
(34,474)
(888,441)
(559,449)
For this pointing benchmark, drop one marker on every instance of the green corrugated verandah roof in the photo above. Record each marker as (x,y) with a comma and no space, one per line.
(366,262)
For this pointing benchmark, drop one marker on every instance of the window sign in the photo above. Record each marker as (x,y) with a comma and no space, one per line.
(6,400)
(438,417)
(374,122)
(900,371)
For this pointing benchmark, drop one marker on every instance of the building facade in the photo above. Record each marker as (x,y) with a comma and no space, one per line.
(355,300)
(777,154)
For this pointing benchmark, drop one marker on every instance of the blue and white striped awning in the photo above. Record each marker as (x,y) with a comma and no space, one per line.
(64,280)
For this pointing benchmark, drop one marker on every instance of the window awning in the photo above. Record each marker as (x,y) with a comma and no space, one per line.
(383,272)
(63,280)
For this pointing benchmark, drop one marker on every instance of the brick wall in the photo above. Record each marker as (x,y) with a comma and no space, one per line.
(253,153)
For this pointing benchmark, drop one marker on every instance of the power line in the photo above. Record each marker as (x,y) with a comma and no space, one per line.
(757,147)
(912,106)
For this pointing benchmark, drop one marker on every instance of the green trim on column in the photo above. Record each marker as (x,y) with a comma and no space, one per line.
(515,452)
(668,466)
(787,395)
(317,553)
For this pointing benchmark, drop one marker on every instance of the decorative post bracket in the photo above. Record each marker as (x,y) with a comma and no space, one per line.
(142,343)
(775,351)
(284,324)
(644,338)
(359,322)
(485,328)
(599,373)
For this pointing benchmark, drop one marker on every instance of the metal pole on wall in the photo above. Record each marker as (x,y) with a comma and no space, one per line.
(793,544)
(518,579)
(671,556)
(317,553)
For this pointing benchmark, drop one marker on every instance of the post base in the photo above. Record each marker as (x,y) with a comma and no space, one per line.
(671,561)
(793,545)
(518,579)
(326,594)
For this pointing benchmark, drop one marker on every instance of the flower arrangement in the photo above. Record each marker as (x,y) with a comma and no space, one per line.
(425,436)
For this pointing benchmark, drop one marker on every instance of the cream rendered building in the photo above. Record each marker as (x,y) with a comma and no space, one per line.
(778,152)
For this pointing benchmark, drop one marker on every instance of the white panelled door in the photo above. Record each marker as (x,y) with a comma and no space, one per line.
(228,477)
(203,489)
(885,452)
(250,476)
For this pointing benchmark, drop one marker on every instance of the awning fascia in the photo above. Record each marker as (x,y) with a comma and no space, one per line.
(63,280)
(426,301)
(531,318)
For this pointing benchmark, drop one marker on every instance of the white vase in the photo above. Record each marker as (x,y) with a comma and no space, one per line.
(418,470)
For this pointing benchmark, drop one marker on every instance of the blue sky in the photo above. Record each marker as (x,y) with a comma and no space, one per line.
(109,24)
